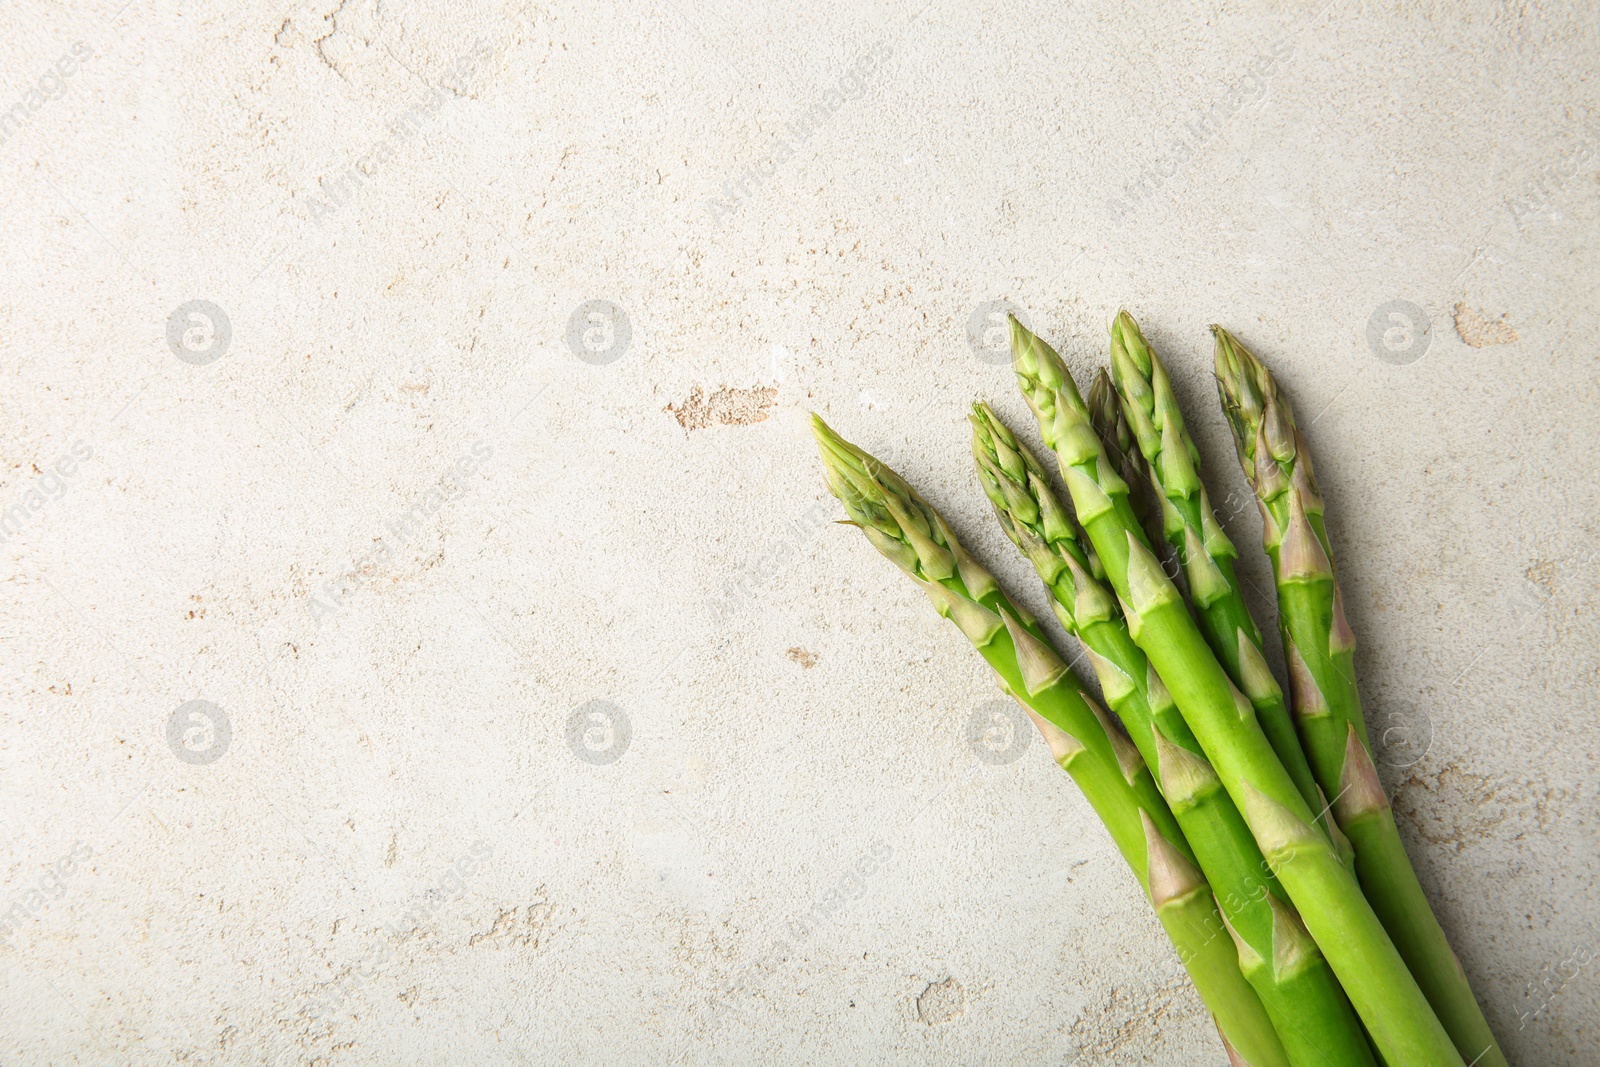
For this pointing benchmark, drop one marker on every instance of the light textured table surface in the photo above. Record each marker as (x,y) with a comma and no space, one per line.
(423,389)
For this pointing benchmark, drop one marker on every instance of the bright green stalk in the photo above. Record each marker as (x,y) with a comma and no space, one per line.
(1190,526)
(1281,961)
(1109,770)
(1320,650)
(1329,899)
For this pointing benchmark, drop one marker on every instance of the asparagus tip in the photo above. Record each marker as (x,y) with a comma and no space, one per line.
(1360,789)
(1169,873)
(1063,746)
(1277,830)
(976,622)
(1292,946)
(1234,1059)
(1185,777)
(1304,692)
(1301,556)
(1037,662)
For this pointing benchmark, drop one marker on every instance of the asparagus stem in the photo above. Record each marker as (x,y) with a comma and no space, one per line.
(1189,524)
(1109,770)
(1303,858)
(1320,650)
(1304,1000)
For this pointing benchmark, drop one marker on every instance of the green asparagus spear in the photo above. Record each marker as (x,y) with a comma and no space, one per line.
(1189,524)
(1304,1000)
(1320,650)
(1109,770)
(1105,413)
(1303,858)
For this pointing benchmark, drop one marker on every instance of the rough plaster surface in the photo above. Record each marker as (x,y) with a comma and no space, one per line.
(547,719)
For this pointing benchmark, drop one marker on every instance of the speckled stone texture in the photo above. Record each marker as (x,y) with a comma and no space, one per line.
(424,633)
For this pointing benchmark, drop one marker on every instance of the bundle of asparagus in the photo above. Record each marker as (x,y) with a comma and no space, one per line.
(1301,922)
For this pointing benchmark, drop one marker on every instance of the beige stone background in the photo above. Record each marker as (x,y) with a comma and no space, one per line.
(546,718)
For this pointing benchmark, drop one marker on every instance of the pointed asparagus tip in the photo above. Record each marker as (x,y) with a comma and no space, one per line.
(1128,759)
(1234,1059)
(828,440)
(1340,637)
(1126,336)
(1360,788)
(1037,662)
(983,419)
(1206,581)
(1237,373)
(1088,499)
(1304,693)
(1277,830)
(1103,404)
(1032,358)
(1330,825)
(1292,946)
(1185,777)
(1241,373)
(976,622)
(1148,585)
(858,481)
(1114,681)
(1249,958)
(1170,874)
(834,447)
(1019,332)
(1063,746)
(1259,684)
